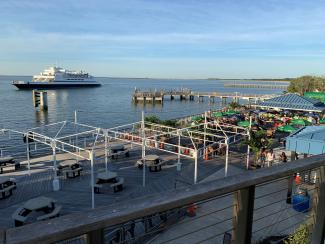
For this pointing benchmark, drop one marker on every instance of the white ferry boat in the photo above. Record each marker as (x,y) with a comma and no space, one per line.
(56,77)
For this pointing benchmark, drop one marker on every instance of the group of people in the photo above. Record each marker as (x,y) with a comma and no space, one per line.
(267,157)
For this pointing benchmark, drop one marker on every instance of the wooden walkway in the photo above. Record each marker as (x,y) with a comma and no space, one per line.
(187,94)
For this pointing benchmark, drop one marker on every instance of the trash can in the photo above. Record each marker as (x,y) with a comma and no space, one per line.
(301,201)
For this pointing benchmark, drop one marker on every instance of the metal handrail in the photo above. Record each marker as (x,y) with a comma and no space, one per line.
(73,225)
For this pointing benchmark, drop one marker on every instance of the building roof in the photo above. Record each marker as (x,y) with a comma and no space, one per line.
(293,101)
(310,140)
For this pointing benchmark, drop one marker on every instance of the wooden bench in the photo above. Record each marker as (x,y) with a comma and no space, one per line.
(53,214)
(72,173)
(118,186)
(7,189)
(97,187)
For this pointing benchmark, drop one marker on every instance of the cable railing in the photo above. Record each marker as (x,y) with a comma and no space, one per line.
(245,208)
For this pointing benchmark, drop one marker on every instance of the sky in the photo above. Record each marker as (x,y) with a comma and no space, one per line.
(164,38)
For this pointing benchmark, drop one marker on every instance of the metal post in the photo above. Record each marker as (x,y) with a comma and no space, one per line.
(243,211)
(227,157)
(106,151)
(143,150)
(27,150)
(179,165)
(249,137)
(76,127)
(56,183)
(91,155)
(205,151)
(205,128)
(195,165)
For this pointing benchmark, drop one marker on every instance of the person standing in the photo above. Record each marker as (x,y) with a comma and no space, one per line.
(283,157)
(270,158)
(262,157)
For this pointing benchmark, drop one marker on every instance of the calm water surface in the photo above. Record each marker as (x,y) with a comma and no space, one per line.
(106,106)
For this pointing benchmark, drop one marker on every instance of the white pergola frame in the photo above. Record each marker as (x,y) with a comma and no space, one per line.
(125,133)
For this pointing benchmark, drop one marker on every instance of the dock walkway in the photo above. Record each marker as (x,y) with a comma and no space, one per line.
(187,94)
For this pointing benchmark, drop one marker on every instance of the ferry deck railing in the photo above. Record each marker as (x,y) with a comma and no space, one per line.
(239,207)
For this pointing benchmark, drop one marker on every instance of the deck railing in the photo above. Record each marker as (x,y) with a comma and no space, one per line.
(241,209)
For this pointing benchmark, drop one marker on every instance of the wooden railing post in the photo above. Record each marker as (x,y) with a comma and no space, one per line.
(95,237)
(243,215)
(318,234)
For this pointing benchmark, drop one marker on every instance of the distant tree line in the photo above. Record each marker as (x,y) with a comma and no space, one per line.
(307,83)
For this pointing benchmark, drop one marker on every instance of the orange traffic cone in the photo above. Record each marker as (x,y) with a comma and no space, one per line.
(298,179)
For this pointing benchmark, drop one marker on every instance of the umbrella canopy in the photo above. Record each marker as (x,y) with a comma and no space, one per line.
(196,118)
(217,114)
(231,112)
(287,128)
(300,122)
(322,121)
(243,123)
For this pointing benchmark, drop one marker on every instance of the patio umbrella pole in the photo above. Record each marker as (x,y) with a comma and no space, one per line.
(143,151)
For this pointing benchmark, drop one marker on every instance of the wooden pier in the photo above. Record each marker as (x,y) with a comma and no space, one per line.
(158,96)
(258,85)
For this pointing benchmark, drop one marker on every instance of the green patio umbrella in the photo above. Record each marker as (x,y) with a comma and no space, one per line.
(196,118)
(243,123)
(217,114)
(300,122)
(287,128)
(231,112)
(322,121)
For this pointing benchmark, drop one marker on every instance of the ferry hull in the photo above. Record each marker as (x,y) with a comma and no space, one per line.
(49,86)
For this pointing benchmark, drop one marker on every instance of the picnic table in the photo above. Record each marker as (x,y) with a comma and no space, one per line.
(7,162)
(118,150)
(110,178)
(37,205)
(70,167)
(154,162)
(7,185)
(106,177)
